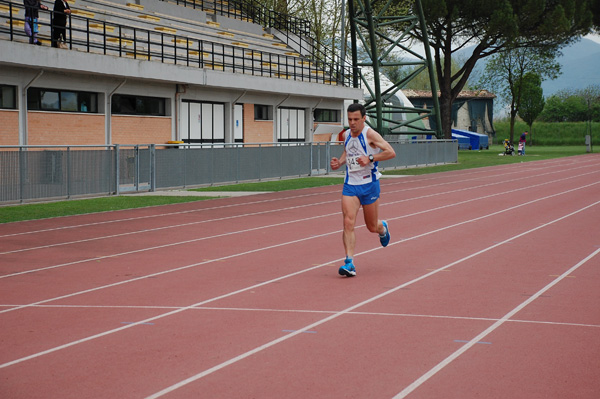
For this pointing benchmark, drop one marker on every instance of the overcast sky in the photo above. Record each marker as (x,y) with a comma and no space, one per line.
(418,48)
(595,38)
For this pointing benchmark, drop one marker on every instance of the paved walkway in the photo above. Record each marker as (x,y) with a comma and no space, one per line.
(186,193)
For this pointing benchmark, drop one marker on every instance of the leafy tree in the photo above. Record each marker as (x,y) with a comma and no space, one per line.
(505,73)
(596,13)
(532,99)
(573,106)
(494,26)
(555,110)
(323,15)
(325,19)
(419,82)
(591,96)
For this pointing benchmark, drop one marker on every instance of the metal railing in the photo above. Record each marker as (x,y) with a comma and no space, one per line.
(296,31)
(33,173)
(250,10)
(99,36)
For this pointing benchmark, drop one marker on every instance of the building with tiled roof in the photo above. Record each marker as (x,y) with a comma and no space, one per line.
(472,110)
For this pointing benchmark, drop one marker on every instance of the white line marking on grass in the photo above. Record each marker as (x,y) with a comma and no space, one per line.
(421,380)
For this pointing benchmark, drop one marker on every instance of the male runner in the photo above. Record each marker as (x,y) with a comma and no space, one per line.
(363,149)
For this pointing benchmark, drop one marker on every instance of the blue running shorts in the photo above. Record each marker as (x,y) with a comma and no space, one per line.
(366,193)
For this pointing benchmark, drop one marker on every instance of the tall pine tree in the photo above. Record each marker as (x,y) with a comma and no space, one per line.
(494,26)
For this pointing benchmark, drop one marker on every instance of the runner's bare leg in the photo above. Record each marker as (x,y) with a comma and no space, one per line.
(350,207)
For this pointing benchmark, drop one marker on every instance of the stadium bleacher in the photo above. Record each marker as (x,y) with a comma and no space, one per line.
(254,73)
(171,33)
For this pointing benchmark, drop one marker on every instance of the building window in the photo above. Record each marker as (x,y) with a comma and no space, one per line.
(263,112)
(202,122)
(327,115)
(61,100)
(138,105)
(8,97)
(290,128)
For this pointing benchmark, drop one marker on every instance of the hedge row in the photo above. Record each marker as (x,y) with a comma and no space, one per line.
(549,134)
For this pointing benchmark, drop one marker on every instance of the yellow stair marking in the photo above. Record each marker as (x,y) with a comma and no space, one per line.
(136,6)
(100,26)
(165,29)
(149,17)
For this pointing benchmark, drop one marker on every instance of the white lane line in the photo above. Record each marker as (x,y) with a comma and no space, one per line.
(372,299)
(421,380)
(157,215)
(296,207)
(308,238)
(294,221)
(311,311)
(151,319)
(228,234)
(179,269)
(163,228)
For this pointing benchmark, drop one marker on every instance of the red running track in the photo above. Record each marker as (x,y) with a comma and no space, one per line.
(489,289)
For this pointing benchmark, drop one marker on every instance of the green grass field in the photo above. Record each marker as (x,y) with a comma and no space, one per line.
(15,213)
(550,134)
(478,159)
(276,185)
(466,160)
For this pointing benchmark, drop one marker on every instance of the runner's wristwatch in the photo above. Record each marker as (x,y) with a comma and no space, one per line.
(371,159)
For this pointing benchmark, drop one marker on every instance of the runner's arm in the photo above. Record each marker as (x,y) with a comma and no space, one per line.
(375,140)
(336,163)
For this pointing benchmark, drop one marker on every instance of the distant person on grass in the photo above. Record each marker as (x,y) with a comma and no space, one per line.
(363,149)
(522,142)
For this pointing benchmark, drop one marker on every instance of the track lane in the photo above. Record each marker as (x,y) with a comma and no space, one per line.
(160,258)
(370,281)
(34,257)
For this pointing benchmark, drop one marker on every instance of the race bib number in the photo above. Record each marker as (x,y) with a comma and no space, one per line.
(353,164)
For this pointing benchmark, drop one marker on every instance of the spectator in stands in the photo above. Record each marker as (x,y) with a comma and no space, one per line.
(31,19)
(59,22)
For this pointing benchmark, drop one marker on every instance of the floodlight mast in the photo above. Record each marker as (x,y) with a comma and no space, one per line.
(401,118)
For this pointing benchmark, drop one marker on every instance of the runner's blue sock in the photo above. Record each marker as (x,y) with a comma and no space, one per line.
(385,232)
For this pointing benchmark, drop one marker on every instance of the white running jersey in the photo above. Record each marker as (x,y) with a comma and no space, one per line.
(356,147)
